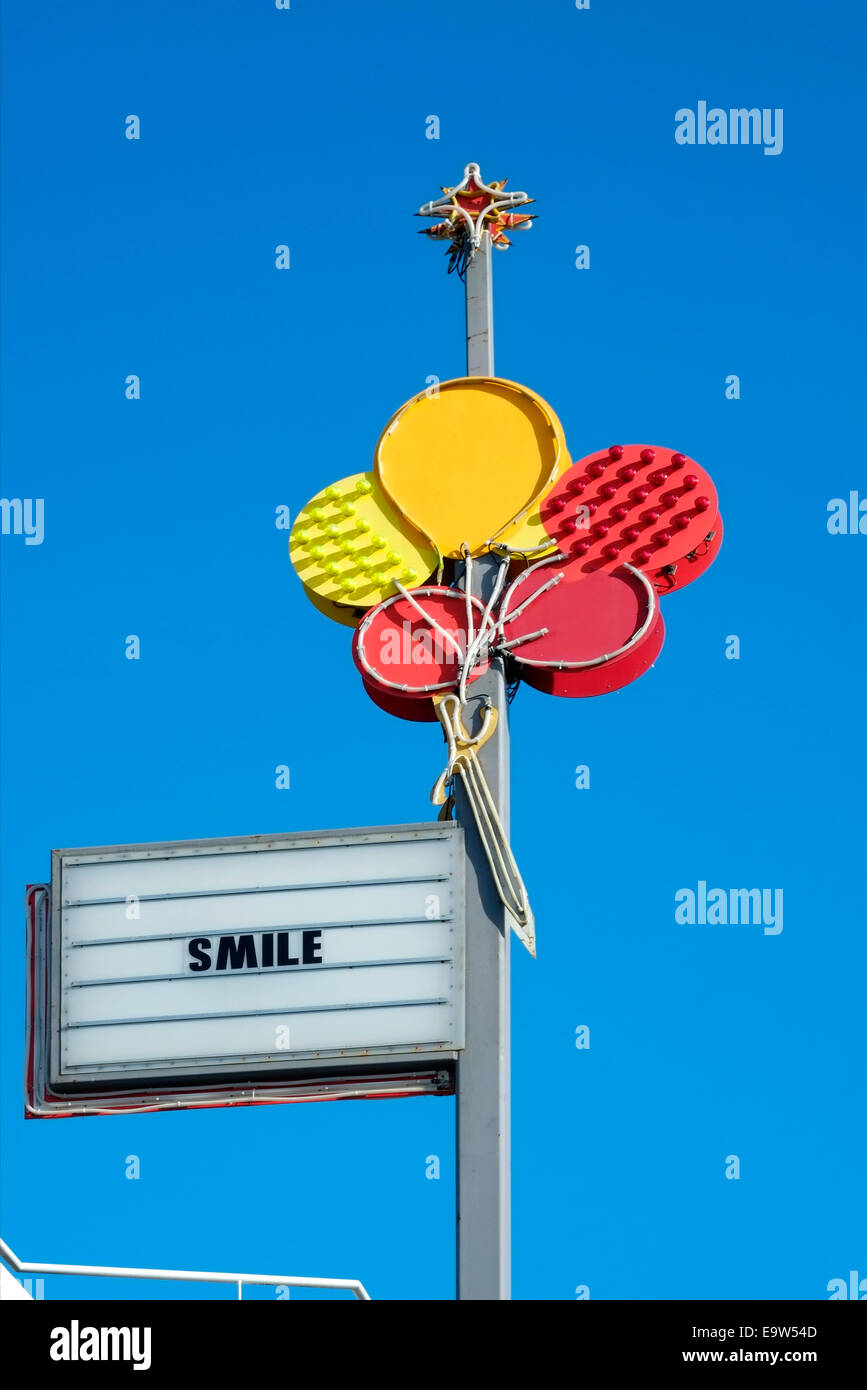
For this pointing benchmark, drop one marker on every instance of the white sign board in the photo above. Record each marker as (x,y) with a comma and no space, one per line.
(291,956)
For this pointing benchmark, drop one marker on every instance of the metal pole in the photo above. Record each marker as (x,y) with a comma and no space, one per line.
(480,312)
(484,1217)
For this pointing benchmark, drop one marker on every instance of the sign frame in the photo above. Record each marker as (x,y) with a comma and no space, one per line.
(326,1074)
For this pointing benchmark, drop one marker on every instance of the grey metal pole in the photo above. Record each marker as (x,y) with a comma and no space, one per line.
(480,312)
(484,1227)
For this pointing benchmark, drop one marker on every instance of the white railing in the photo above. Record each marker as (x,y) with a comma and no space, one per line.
(293,1281)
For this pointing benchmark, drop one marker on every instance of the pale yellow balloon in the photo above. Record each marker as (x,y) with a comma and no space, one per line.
(350,542)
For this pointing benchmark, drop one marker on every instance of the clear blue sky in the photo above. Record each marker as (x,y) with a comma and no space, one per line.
(156,257)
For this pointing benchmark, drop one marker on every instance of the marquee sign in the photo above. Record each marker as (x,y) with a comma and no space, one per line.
(241,971)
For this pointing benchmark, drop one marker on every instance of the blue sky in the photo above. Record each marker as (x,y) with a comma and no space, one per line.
(307,127)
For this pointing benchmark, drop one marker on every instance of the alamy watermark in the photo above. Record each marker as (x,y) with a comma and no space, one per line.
(720,907)
(77,1343)
(853,1287)
(847,517)
(737,126)
(420,646)
(23,517)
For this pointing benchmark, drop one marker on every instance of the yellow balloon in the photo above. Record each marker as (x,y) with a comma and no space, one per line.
(470,462)
(330,544)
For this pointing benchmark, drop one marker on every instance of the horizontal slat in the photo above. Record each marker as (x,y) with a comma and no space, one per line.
(256,912)
(170,956)
(395,881)
(174,1046)
(258,1013)
(256,867)
(266,970)
(233,929)
(243,991)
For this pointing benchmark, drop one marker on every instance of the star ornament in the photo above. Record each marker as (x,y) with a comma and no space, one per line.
(474,207)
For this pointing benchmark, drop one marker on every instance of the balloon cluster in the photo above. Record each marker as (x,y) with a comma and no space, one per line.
(480,465)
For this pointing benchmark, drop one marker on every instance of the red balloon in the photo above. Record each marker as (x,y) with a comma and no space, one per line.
(641,477)
(405,656)
(588,634)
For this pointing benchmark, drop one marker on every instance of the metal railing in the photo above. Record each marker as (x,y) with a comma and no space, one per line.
(293,1281)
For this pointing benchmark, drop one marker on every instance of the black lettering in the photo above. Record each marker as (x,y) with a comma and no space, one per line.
(198,949)
(267,948)
(283,957)
(236,956)
(310,944)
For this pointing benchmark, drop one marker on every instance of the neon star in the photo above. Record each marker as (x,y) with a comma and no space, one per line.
(472,208)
